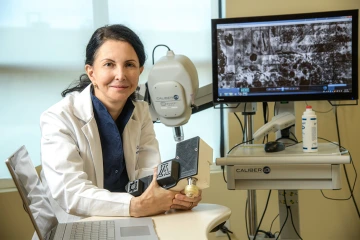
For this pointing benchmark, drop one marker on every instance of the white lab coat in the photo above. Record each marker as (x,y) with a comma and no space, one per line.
(72,160)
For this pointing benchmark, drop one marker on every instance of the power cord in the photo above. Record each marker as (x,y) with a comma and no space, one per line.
(350,188)
(294,136)
(241,125)
(266,117)
(293,144)
(147,95)
(273,222)
(288,209)
(292,221)
(286,138)
(239,145)
(225,230)
(321,111)
(159,45)
(346,175)
(334,107)
(287,215)
(262,217)
(268,234)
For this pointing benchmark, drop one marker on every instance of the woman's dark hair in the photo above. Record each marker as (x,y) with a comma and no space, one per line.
(114,32)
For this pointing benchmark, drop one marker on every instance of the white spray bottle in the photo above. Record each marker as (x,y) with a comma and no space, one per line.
(309,130)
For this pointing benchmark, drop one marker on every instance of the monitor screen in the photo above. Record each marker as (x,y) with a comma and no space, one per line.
(294,57)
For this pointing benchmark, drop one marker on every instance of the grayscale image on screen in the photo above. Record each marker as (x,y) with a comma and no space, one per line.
(285,56)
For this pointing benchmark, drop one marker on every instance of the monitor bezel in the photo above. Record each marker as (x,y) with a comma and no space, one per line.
(291,97)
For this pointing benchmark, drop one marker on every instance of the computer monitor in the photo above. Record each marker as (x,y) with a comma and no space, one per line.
(293,57)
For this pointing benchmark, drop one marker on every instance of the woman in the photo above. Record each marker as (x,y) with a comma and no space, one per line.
(98,138)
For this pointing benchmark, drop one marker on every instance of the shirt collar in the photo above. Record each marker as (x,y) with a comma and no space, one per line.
(99,108)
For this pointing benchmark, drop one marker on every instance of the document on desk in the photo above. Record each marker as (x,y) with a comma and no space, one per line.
(135,229)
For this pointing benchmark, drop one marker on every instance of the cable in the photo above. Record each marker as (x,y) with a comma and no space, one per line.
(223,170)
(265,110)
(262,217)
(239,145)
(225,230)
(351,190)
(295,141)
(246,222)
(232,107)
(293,144)
(162,45)
(292,221)
(337,126)
(320,111)
(273,223)
(222,136)
(352,163)
(266,117)
(287,215)
(288,209)
(294,136)
(346,174)
(267,233)
(339,105)
(241,125)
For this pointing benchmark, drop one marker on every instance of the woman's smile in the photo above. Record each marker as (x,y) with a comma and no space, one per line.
(122,87)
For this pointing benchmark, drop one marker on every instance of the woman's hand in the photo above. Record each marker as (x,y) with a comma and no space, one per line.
(181,201)
(154,200)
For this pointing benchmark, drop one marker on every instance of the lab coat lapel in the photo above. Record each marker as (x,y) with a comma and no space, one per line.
(131,144)
(91,133)
(83,109)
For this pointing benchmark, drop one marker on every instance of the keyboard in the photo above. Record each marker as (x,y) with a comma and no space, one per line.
(99,230)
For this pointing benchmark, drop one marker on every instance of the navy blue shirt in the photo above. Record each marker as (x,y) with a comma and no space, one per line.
(115,174)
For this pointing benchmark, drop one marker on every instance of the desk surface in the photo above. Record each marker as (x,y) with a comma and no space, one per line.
(194,224)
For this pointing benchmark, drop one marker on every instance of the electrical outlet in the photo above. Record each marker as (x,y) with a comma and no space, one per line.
(219,233)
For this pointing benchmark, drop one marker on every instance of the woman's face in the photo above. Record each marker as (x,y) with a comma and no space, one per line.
(115,72)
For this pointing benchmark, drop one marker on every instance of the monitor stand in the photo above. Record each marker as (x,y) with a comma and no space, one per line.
(288,231)
(288,198)
(291,169)
(248,110)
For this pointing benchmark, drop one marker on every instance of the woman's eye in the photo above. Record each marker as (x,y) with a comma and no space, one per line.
(130,65)
(108,64)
